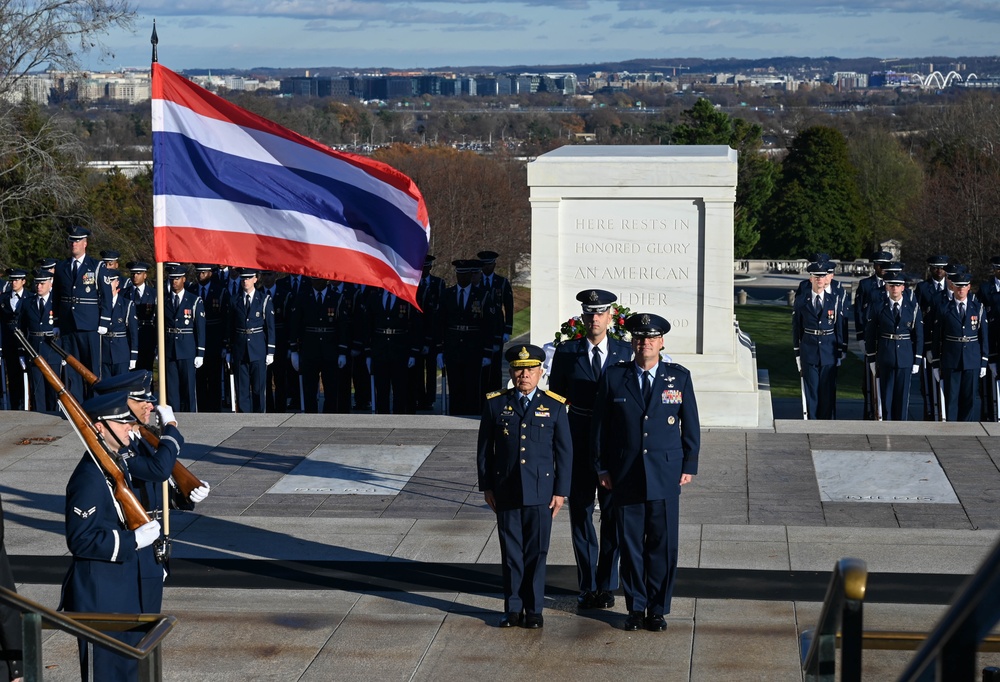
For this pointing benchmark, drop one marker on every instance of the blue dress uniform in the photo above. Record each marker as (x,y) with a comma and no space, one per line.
(184,339)
(961,349)
(276,374)
(429,294)
(819,344)
(929,293)
(502,295)
(573,375)
(645,445)
(251,340)
(467,336)
(392,339)
(81,312)
(360,377)
(210,377)
(120,346)
(989,295)
(524,456)
(38,324)
(868,288)
(11,305)
(144,301)
(894,341)
(318,329)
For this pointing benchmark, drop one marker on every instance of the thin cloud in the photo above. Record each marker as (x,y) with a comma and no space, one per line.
(634,23)
(727,26)
(978,10)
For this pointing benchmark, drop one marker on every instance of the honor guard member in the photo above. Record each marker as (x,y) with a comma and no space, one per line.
(360,375)
(868,286)
(350,345)
(894,345)
(184,339)
(11,305)
(467,339)
(819,344)
(316,344)
(109,261)
(392,343)
(524,458)
(961,348)
(577,367)
(39,321)
(210,377)
(112,567)
(274,382)
(290,289)
(646,437)
(250,343)
(81,312)
(47,263)
(503,300)
(989,295)
(120,344)
(144,299)
(429,294)
(929,293)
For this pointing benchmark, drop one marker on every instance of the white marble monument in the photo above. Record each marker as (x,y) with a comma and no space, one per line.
(655,226)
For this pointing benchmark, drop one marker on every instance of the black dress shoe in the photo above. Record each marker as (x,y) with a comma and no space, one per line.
(634,621)
(532,621)
(585,600)
(603,600)
(656,623)
(510,620)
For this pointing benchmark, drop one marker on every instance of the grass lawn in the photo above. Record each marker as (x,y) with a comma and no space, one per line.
(770,327)
(522,311)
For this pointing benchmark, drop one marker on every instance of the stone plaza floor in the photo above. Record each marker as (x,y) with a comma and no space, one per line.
(357,547)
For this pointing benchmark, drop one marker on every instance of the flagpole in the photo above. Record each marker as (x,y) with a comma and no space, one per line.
(161,362)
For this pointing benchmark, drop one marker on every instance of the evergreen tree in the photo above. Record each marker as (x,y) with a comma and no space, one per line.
(816,205)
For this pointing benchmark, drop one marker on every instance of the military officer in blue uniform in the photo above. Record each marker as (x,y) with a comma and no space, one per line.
(184,339)
(524,461)
(819,345)
(577,367)
(392,343)
(466,337)
(929,292)
(120,344)
(40,321)
(144,300)
(106,574)
(894,345)
(82,313)
(11,305)
(961,348)
(430,291)
(989,295)
(250,342)
(209,378)
(866,289)
(502,294)
(646,437)
(317,341)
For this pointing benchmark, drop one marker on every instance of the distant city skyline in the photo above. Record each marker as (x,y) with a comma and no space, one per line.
(245,34)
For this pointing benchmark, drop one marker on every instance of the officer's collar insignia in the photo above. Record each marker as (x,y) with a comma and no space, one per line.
(645,319)
(84,514)
(594,298)
(523,354)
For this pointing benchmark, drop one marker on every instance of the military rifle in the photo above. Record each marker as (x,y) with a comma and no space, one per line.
(185,480)
(132,512)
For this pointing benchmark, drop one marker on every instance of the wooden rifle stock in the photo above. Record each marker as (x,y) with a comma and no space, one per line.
(185,480)
(132,510)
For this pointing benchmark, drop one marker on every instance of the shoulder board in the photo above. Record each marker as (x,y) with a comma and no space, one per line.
(555,396)
(494,394)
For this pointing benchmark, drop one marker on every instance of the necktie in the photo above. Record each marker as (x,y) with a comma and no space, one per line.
(961,311)
(204,292)
(319,297)
(461,299)
(524,403)
(895,311)
(818,305)
(41,307)
(14,300)
(246,304)
(177,301)
(76,266)
(295,286)
(647,386)
(595,362)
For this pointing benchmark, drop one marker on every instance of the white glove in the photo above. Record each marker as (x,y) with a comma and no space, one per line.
(131,364)
(166,414)
(24,363)
(871,368)
(411,363)
(295,360)
(146,534)
(487,362)
(839,360)
(102,330)
(506,338)
(269,359)
(341,361)
(798,364)
(982,372)
(916,369)
(936,373)
(440,361)
(200,493)
(198,362)
(368,364)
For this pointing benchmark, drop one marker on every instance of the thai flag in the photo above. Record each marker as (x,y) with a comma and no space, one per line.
(235,188)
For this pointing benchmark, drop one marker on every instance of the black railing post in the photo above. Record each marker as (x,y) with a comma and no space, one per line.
(958,655)
(31,634)
(851,644)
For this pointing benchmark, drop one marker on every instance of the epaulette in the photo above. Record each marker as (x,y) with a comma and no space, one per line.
(494,394)
(555,396)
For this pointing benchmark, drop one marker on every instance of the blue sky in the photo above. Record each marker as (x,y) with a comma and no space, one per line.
(430,33)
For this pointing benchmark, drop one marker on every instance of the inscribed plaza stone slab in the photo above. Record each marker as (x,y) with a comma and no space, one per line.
(887,477)
(354,470)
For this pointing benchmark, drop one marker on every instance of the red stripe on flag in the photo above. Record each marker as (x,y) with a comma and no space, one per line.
(191,244)
(171,87)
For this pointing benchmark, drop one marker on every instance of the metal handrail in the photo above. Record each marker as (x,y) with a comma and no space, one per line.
(950,650)
(842,613)
(85,626)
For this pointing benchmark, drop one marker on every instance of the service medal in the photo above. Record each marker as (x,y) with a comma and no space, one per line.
(87,289)
(671,420)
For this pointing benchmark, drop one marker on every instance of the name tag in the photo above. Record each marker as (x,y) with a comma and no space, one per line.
(672,397)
